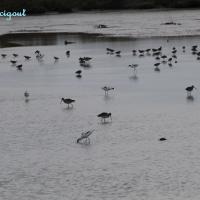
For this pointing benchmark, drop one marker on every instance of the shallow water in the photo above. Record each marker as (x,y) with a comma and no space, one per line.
(39,157)
(131,23)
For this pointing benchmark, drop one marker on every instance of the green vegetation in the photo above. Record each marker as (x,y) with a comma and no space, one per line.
(41,6)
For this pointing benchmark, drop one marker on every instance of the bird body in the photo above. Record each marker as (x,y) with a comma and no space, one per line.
(27,57)
(134,66)
(107,89)
(26,94)
(190,89)
(19,67)
(118,52)
(3,55)
(104,116)
(13,62)
(15,55)
(156,64)
(67,101)
(67,42)
(78,72)
(68,53)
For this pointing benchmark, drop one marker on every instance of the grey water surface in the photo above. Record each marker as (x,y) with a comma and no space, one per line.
(39,157)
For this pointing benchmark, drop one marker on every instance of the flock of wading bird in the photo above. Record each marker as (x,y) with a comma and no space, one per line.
(156,53)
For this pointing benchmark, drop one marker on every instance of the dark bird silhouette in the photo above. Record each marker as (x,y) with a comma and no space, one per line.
(3,55)
(67,101)
(134,67)
(26,94)
(67,42)
(157,58)
(107,89)
(13,62)
(164,57)
(15,55)
(110,51)
(118,53)
(27,57)
(156,64)
(56,58)
(68,53)
(190,89)
(19,67)
(157,69)
(174,56)
(79,76)
(162,139)
(37,52)
(170,60)
(134,52)
(78,72)
(104,116)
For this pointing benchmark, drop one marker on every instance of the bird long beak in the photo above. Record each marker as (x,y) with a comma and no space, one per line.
(61,101)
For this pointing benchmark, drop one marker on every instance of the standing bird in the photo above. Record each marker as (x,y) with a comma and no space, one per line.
(118,53)
(78,73)
(67,101)
(134,66)
(85,136)
(189,90)
(107,89)
(3,55)
(104,116)
(68,53)
(19,67)
(56,58)
(13,62)
(26,94)
(27,57)
(15,55)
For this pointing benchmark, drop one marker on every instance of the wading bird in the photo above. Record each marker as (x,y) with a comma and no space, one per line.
(68,53)
(104,116)
(78,73)
(26,94)
(27,57)
(15,55)
(107,89)
(3,55)
(134,66)
(189,90)
(85,137)
(13,62)
(67,101)
(19,67)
